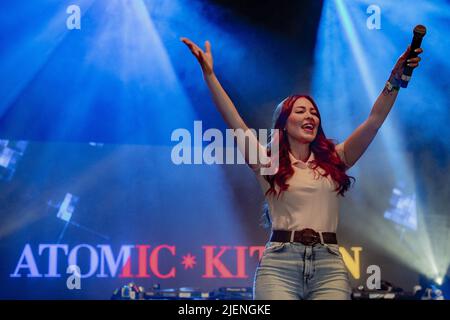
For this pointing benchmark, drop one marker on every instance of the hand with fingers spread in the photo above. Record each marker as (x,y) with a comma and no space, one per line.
(204,57)
(224,104)
(399,67)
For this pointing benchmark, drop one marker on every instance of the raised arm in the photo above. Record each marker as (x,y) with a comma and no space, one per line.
(222,101)
(356,144)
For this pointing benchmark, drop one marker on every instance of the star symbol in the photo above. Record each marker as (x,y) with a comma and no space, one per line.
(188,261)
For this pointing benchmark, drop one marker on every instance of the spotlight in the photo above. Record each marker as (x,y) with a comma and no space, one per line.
(439,280)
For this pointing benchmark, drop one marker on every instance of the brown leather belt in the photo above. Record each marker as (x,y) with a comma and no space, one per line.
(308,237)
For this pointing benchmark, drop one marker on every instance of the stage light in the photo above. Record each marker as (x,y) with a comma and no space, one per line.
(388,185)
(439,280)
(117,80)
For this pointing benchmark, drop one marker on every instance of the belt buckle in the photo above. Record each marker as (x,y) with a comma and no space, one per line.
(309,237)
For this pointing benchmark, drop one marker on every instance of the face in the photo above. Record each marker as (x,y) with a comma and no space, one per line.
(303,122)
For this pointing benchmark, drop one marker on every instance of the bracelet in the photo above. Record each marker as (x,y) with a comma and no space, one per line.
(395,81)
(391,87)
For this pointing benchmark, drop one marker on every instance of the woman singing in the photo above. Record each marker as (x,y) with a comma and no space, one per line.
(302,259)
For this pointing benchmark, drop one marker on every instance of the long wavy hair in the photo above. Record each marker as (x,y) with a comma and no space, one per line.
(323,148)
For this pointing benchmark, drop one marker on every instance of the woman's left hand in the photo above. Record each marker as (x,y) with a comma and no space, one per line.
(402,63)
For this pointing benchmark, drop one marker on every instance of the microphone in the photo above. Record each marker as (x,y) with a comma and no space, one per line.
(419,33)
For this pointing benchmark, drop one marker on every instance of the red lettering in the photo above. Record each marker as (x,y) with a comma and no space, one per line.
(212,262)
(259,249)
(154,266)
(240,260)
(142,260)
(126,270)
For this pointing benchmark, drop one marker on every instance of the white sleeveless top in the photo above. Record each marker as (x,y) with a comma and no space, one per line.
(310,200)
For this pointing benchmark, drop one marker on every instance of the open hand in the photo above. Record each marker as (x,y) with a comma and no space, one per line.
(204,57)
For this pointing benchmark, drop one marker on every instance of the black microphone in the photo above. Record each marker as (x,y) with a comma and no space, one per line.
(419,33)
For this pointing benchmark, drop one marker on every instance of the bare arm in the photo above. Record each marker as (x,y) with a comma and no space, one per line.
(224,104)
(222,101)
(357,143)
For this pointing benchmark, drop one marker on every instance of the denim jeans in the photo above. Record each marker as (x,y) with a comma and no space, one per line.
(293,271)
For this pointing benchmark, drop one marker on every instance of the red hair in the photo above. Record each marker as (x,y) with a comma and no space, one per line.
(324,151)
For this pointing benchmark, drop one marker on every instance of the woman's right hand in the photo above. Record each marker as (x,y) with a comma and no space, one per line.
(204,57)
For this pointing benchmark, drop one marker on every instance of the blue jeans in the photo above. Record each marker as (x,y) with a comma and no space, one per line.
(292,271)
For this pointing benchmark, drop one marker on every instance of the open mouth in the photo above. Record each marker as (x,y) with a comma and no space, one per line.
(308,127)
